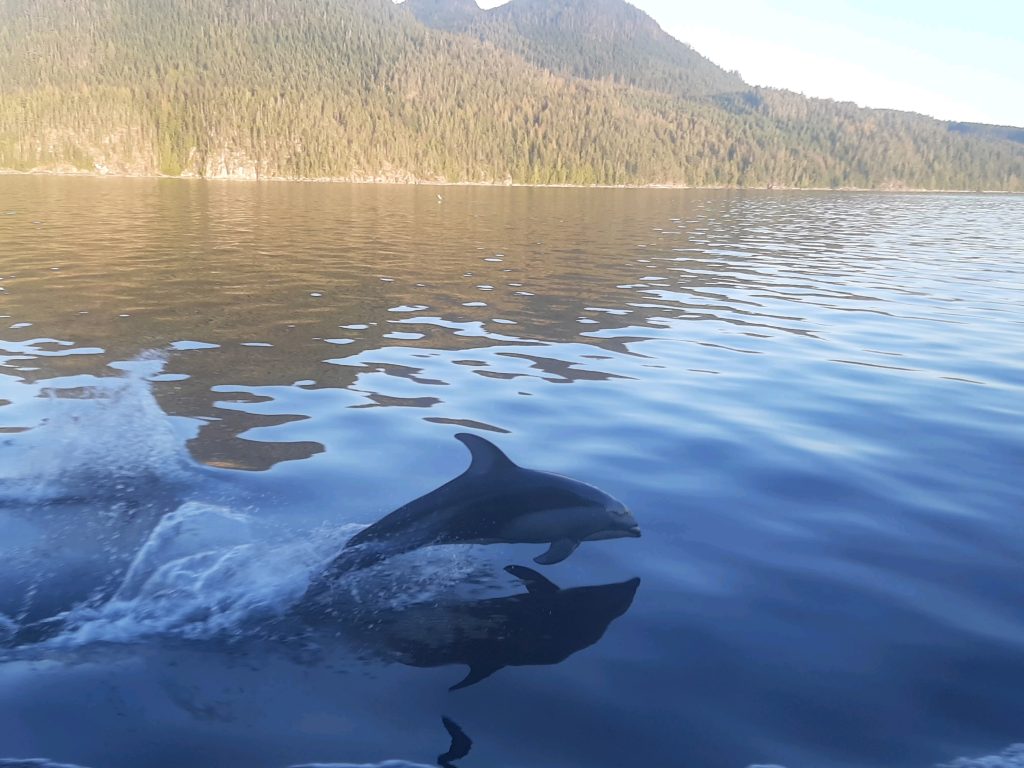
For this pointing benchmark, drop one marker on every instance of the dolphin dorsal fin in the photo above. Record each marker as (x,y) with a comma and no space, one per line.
(487,457)
(535,583)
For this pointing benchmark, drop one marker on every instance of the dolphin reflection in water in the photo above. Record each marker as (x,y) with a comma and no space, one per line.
(544,625)
(493,501)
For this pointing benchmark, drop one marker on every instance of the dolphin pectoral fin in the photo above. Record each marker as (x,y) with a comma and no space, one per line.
(535,583)
(477,672)
(557,552)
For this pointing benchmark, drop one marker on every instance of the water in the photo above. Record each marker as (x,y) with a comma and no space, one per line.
(812,403)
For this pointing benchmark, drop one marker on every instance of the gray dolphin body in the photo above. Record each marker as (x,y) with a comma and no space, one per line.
(493,501)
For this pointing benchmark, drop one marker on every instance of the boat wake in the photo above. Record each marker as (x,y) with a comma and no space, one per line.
(113,534)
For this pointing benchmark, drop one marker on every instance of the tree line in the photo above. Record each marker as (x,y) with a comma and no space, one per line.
(362,89)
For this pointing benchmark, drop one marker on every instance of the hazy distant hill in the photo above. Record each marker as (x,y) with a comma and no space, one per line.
(1008,132)
(538,91)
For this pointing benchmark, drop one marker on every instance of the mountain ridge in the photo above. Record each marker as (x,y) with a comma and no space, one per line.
(590,39)
(363,90)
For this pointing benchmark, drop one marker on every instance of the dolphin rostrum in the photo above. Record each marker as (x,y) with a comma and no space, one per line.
(493,501)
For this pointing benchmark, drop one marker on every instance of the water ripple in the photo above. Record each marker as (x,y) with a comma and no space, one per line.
(811,401)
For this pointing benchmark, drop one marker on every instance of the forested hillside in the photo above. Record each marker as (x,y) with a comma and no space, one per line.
(592,39)
(539,91)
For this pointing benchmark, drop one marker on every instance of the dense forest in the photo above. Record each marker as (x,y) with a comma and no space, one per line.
(537,91)
(589,39)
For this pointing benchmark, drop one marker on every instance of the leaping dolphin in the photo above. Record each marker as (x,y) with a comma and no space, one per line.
(493,501)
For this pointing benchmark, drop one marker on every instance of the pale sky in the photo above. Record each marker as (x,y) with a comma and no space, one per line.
(951,60)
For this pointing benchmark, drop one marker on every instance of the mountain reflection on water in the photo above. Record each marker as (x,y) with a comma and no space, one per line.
(811,401)
(384,294)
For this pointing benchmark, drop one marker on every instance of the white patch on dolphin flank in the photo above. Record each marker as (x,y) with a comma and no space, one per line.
(576,523)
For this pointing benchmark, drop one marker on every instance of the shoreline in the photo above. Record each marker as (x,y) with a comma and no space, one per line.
(415,182)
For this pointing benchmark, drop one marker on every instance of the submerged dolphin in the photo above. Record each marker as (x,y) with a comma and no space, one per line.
(545,625)
(493,501)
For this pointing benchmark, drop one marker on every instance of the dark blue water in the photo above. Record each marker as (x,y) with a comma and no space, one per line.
(812,403)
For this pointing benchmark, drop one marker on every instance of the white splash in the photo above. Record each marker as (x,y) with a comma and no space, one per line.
(1011,757)
(203,571)
(8,627)
(88,432)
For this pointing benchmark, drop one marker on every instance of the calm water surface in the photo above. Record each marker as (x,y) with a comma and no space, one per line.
(812,403)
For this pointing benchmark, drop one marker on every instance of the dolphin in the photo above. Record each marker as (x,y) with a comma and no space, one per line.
(493,501)
(544,625)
